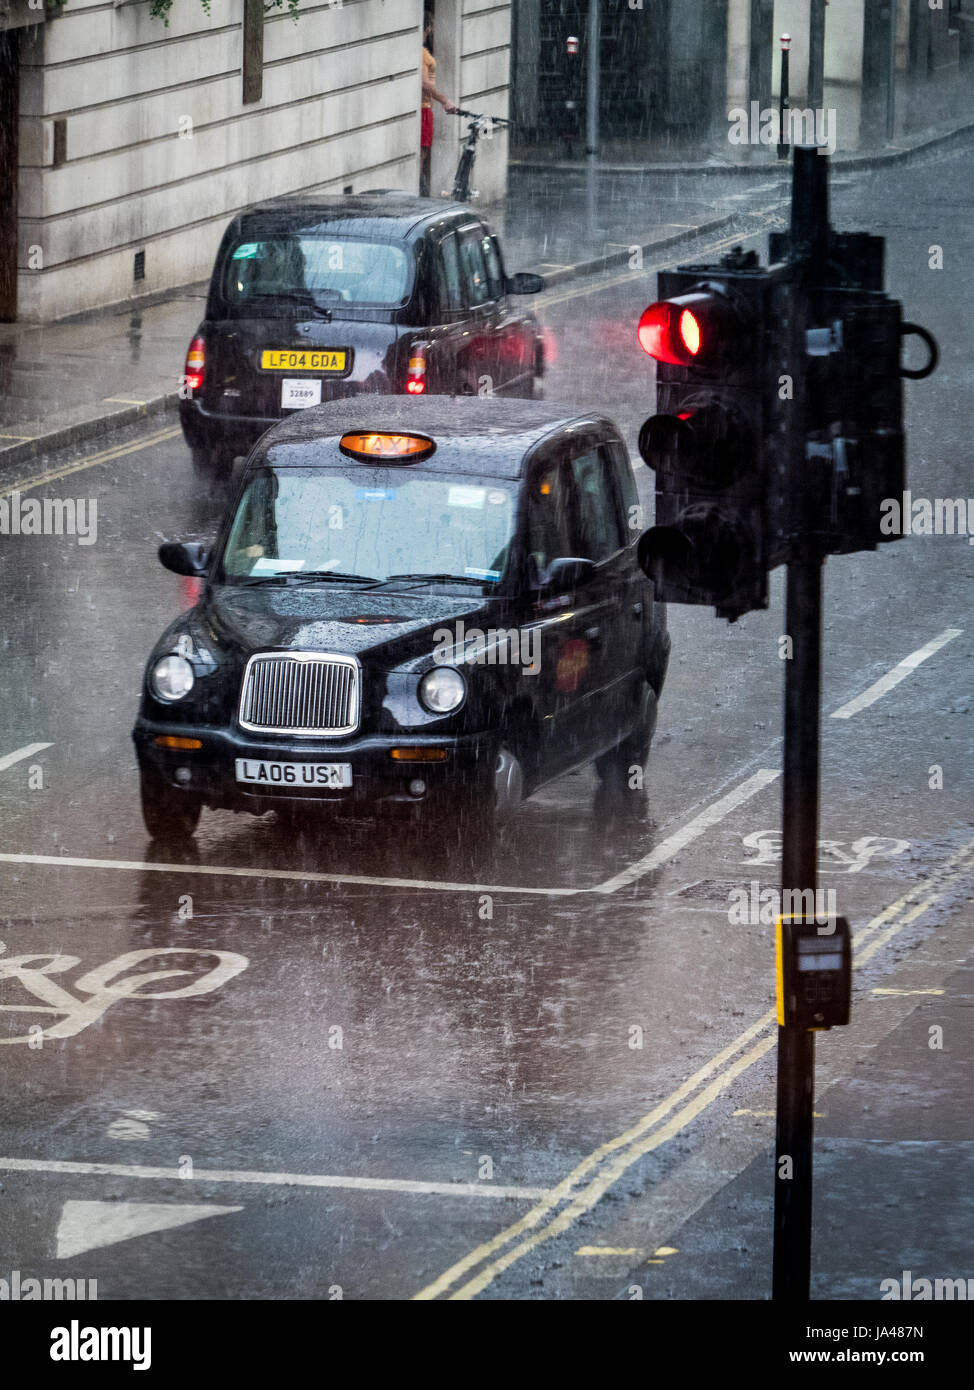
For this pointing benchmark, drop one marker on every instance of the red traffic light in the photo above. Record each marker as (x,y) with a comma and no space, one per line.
(693,330)
(670,333)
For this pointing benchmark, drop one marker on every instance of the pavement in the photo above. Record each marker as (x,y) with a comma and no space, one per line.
(66,382)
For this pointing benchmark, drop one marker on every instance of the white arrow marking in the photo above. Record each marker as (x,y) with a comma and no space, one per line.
(89,1225)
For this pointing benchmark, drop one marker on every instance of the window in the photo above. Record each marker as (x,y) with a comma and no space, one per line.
(334,271)
(628,493)
(472,269)
(448,275)
(596,533)
(374,522)
(495,274)
(547,519)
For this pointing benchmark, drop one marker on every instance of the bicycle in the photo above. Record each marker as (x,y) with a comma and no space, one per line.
(480,125)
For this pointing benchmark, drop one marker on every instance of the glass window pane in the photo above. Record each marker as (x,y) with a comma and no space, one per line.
(473,270)
(547,523)
(596,524)
(452,294)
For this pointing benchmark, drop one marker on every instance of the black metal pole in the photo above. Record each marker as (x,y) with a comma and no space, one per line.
(783,104)
(800,792)
(796,1046)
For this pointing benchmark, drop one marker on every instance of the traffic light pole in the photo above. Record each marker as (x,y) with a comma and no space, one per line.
(796,1046)
(800,791)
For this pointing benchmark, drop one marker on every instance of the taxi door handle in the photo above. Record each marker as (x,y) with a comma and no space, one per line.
(593,634)
(637,610)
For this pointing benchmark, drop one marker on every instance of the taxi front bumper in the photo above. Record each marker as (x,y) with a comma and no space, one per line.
(378,779)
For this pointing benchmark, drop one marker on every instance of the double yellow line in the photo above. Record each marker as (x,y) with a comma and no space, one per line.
(105,456)
(611,1160)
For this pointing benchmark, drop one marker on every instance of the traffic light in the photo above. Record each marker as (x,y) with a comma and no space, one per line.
(716,333)
(855,454)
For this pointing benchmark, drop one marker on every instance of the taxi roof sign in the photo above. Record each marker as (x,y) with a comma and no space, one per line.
(386,445)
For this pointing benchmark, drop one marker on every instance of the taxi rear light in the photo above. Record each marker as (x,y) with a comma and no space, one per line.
(386,446)
(171,741)
(416,372)
(195,364)
(418,755)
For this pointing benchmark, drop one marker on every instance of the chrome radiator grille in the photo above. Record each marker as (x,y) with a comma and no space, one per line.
(300,693)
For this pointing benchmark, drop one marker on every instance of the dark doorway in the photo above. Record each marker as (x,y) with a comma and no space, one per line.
(9,113)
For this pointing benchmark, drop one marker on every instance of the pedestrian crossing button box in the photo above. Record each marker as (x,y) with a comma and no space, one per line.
(814,961)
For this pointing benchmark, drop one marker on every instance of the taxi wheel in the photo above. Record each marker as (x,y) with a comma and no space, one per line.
(169,815)
(477,819)
(614,767)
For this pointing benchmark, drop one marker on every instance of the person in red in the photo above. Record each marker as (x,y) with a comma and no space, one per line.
(430,94)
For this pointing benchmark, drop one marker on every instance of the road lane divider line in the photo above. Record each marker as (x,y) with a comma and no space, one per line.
(104,456)
(650,1132)
(711,815)
(295,875)
(899,673)
(27,751)
(666,849)
(247,1176)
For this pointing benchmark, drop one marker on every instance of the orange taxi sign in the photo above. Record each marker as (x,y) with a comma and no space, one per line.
(384,445)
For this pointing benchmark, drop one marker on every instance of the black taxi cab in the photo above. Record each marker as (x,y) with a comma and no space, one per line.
(430,606)
(313,300)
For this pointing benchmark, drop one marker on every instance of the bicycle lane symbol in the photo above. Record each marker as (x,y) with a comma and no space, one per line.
(103,985)
(832,858)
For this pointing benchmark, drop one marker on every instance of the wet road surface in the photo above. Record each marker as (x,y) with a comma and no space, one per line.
(352,1073)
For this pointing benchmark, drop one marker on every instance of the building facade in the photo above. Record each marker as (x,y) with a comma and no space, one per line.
(670,70)
(127,145)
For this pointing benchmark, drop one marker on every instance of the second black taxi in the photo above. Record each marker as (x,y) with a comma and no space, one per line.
(427,606)
(316,299)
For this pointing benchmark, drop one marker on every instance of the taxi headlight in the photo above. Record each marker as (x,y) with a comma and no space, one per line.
(442,689)
(171,678)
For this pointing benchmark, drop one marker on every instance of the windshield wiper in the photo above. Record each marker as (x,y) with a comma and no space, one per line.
(324,576)
(305,301)
(438,579)
(306,577)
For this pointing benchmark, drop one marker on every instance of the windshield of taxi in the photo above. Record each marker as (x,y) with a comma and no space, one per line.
(376,524)
(330,270)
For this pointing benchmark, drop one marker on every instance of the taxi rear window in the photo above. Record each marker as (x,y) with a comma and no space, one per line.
(330,270)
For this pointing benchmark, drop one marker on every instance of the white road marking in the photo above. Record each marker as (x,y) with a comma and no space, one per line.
(901,992)
(27,751)
(407,1185)
(91,1225)
(298,875)
(105,985)
(900,671)
(707,818)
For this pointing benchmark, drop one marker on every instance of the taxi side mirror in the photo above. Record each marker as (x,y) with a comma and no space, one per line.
(568,572)
(525,282)
(185,557)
